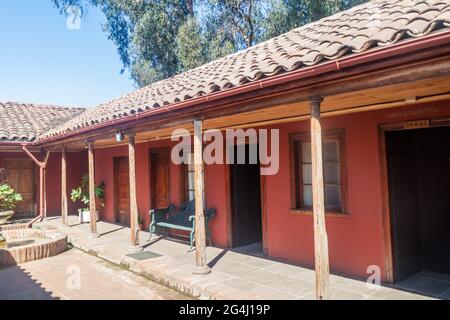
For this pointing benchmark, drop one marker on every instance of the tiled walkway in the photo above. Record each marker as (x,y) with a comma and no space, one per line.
(436,284)
(76,275)
(234,275)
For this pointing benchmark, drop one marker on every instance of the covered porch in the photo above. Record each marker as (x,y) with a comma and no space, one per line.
(352,88)
(235,276)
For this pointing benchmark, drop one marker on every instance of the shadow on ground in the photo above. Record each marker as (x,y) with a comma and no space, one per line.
(17,284)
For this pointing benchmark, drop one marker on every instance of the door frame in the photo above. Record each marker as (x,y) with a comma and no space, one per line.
(152,151)
(229,205)
(116,186)
(35,187)
(385,196)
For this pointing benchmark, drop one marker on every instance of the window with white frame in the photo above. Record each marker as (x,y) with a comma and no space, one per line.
(333,171)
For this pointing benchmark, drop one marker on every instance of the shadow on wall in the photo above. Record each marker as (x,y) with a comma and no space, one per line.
(16,284)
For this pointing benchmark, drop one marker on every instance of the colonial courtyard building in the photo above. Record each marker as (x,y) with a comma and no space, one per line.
(361,102)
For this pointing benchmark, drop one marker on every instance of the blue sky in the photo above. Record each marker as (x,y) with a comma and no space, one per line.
(43,61)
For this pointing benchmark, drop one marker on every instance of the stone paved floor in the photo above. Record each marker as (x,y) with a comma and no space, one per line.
(437,284)
(57,278)
(234,275)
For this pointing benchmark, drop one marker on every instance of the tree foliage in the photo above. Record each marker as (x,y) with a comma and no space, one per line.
(8,197)
(156,39)
(190,45)
(81,193)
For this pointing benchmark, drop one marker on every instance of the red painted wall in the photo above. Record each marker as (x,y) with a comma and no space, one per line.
(104,159)
(355,241)
(215,193)
(214,179)
(76,166)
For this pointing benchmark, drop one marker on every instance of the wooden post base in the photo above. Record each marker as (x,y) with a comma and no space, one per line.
(135,249)
(202,270)
(94,235)
(66,225)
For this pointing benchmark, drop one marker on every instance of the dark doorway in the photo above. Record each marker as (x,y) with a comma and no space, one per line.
(246,200)
(160,178)
(122,190)
(419,193)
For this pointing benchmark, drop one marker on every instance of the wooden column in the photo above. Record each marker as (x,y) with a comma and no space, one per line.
(44,191)
(320,234)
(64,187)
(42,194)
(92,204)
(133,198)
(44,181)
(200,234)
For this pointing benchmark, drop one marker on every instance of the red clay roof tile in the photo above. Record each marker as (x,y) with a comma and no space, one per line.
(365,27)
(21,122)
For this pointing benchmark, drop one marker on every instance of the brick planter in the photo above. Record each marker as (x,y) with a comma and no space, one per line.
(16,226)
(5,215)
(30,244)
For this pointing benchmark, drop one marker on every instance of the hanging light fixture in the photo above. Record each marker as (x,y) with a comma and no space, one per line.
(119,136)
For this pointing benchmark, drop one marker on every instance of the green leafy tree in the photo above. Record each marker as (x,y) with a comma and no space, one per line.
(156,39)
(8,197)
(144,33)
(191,45)
(81,193)
(241,19)
(219,46)
(285,15)
(323,8)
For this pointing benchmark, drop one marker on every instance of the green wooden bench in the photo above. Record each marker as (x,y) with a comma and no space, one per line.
(182,218)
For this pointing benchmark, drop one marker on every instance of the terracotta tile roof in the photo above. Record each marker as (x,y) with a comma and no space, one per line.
(375,24)
(21,122)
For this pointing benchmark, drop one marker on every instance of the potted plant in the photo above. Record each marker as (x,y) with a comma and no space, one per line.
(8,198)
(81,193)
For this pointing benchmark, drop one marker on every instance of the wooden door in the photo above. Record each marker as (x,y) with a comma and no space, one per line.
(419,184)
(122,190)
(433,169)
(20,176)
(405,216)
(402,170)
(160,178)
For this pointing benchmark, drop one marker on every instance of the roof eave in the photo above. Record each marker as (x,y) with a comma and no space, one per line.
(407,46)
